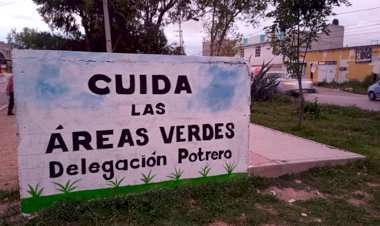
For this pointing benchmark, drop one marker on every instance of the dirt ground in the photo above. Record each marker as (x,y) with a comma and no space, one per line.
(8,152)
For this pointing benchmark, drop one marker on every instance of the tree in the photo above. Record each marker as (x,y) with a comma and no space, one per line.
(33,39)
(220,17)
(296,25)
(136,25)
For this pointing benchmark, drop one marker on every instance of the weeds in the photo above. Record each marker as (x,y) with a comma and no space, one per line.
(67,188)
(205,170)
(176,175)
(147,178)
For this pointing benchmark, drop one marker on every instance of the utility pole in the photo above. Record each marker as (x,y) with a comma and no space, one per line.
(107,28)
(180,37)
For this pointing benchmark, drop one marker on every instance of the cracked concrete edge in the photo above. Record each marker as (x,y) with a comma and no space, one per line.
(277,170)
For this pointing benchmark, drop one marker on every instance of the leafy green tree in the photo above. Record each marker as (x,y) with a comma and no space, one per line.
(296,25)
(136,25)
(33,39)
(220,17)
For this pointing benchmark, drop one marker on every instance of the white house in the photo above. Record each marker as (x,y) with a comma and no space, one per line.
(258,49)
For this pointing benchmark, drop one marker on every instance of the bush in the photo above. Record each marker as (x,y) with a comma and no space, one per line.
(312,109)
(263,87)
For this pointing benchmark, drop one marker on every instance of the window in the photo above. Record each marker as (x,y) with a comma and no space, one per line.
(257,51)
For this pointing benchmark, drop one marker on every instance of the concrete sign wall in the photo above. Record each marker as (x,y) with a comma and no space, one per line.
(92,124)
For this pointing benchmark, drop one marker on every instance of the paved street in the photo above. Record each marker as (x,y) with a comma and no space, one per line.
(341,98)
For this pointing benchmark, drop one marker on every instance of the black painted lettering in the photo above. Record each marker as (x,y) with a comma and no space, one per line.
(143,84)
(107,167)
(148,110)
(160,108)
(55,169)
(182,154)
(167,138)
(142,132)
(207,132)
(52,143)
(101,139)
(122,164)
(156,89)
(179,133)
(218,131)
(72,170)
(230,127)
(133,165)
(92,84)
(81,138)
(94,167)
(120,89)
(194,133)
(134,112)
(125,137)
(182,85)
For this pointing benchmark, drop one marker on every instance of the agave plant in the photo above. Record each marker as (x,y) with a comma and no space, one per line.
(176,175)
(35,191)
(263,87)
(147,178)
(205,170)
(229,167)
(67,188)
(116,183)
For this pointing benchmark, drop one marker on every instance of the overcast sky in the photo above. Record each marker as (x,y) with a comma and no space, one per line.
(361,21)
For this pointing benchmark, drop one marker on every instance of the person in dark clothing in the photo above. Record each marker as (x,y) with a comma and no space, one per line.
(11,95)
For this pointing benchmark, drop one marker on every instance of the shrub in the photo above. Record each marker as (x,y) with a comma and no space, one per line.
(263,87)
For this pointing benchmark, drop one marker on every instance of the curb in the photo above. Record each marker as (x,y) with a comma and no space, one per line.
(3,107)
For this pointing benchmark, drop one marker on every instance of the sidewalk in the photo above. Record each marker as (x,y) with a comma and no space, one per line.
(273,153)
(8,153)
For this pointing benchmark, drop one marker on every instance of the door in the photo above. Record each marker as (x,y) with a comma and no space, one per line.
(326,73)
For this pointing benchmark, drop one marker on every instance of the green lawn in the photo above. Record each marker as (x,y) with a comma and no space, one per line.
(351,194)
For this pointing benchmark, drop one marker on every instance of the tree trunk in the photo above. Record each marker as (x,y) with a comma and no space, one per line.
(299,77)
(302,102)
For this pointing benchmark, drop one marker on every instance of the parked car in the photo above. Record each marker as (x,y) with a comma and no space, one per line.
(290,86)
(374,91)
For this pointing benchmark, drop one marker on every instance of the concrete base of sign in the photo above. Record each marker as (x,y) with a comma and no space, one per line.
(273,153)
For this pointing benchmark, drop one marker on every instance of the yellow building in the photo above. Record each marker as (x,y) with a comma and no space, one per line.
(343,64)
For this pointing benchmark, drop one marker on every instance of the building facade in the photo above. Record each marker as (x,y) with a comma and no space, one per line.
(5,58)
(343,64)
(258,49)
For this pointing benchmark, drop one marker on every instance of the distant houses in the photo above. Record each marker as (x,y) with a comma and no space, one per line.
(327,60)
(5,58)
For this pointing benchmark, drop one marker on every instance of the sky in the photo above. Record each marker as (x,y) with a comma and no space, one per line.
(361,22)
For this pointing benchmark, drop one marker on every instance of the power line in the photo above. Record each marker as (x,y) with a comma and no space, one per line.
(359,10)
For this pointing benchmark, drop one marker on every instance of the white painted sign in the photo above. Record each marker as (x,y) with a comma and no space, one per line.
(92,123)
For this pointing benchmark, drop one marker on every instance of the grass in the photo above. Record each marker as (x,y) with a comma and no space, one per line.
(357,86)
(246,201)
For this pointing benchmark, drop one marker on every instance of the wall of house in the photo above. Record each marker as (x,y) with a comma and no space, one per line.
(5,58)
(343,63)
(328,41)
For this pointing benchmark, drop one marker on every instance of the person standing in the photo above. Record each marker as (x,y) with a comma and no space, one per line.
(11,95)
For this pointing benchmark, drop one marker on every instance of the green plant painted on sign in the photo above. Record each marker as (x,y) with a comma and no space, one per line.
(35,192)
(147,178)
(230,167)
(205,170)
(176,175)
(67,188)
(116,183)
